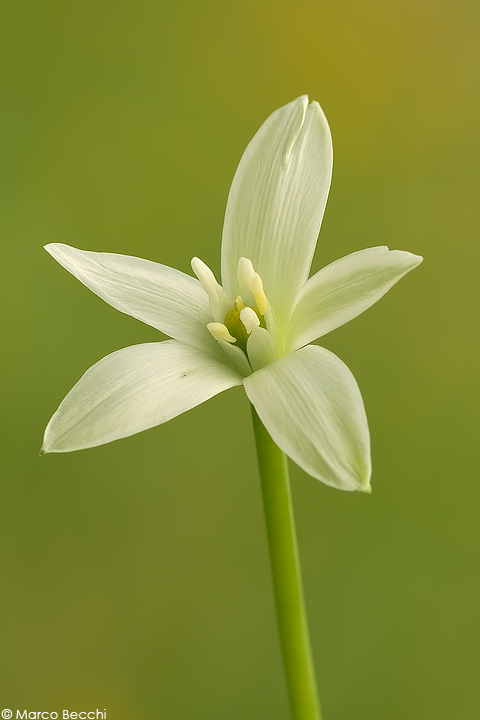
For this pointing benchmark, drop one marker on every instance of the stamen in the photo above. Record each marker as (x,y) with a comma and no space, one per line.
(261,349)
(251,286)
(206,277)
(239,304)
(245,273)
(220,332)
(258,294)
(219,300)
(249,318)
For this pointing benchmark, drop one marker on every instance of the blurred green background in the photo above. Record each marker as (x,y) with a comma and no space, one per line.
(135,576)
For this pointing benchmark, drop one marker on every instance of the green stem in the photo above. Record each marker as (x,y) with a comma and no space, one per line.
(287,579)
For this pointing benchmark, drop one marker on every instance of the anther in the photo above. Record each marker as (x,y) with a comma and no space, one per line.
(250,285)
(206,277)
(258,294)
(219,300)
(220,332)
(245,273)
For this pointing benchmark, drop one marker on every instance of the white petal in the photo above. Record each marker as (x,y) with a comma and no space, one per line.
(134,389)
(311,406)
(276,202)
(170,301)
(344,289)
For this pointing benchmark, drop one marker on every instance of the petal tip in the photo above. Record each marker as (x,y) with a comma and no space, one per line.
(48,446)
(315,107)
(55,249)
(366,476)
(413,260)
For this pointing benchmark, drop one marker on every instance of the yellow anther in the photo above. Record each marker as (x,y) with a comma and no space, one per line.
(251,286)
(258,294)
(220,332)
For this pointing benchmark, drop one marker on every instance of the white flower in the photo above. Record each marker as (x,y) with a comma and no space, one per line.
(254,329)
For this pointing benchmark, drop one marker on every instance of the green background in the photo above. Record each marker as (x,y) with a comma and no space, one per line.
(135,576)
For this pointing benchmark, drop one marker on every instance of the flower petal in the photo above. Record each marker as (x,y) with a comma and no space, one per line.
(311,405)
(276,202)
(344,289)
(134,389)
(160,296)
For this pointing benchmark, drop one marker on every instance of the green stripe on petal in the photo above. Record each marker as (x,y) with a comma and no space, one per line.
(276,202)
(311,406)
(344,289)
(158,295)
(134,389)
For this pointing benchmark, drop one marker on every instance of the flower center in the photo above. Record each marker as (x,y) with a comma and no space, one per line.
(241,327)
(235,325)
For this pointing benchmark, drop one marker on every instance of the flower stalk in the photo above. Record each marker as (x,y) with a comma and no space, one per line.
(286,575)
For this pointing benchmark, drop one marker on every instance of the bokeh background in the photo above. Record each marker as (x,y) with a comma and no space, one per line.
(135,576)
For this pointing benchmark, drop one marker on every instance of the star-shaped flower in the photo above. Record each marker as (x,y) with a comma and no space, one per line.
(254,329)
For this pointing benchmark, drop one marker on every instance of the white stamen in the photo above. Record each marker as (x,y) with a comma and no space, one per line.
(250,284)
(249,319)
(261,348)
(206,277)
(258,294)
(220,332)
(219,300)
(245,273)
